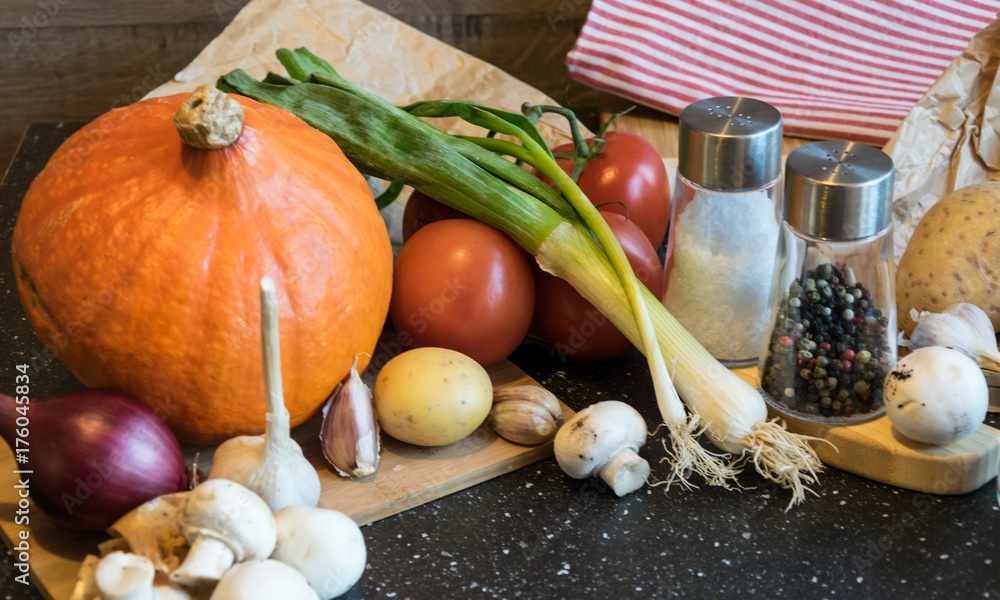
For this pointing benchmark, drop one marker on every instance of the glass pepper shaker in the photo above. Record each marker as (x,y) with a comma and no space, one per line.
(833,308)
(724,223)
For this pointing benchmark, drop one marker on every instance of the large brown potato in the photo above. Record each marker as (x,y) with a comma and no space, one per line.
(953,256)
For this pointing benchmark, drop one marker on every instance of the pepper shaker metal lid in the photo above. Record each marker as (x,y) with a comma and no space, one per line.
(838,190)
(730,143)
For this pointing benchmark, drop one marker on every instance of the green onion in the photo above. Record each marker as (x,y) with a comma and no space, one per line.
(567,237)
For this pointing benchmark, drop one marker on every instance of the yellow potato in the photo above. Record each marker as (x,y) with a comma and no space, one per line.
(432,396)
(953,256)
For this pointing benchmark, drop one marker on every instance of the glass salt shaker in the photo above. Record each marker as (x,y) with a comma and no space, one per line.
(833,306)
(724,223)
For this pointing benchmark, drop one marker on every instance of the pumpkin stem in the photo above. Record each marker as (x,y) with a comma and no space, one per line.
(209,119)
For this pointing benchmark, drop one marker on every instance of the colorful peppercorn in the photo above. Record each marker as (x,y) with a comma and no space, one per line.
(833,339)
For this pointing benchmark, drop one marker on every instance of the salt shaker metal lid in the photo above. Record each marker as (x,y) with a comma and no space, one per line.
(730,143)
(838,190)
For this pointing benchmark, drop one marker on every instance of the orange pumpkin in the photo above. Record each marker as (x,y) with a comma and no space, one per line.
(138,260)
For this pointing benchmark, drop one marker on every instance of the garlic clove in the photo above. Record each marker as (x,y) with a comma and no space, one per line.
(523,423)
(976,317)
(980,326)
(350,433)
(963,327)
(525,414)
(529,393)
(939,329)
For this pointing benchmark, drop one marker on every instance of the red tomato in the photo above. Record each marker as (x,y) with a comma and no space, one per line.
(463,285)
(573,325)
(421,209)
(628,171)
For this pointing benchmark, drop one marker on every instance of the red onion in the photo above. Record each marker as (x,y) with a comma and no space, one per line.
(95,454)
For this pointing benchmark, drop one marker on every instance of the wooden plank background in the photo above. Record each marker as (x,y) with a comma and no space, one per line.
(76,59)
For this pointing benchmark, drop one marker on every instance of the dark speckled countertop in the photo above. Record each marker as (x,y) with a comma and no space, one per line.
(535,533)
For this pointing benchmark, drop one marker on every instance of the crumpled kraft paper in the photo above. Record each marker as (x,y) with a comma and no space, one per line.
(951,136)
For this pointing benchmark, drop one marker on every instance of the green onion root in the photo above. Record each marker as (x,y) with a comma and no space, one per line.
(784,458)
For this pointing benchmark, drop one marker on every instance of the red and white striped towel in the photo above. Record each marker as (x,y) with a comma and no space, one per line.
(843,69)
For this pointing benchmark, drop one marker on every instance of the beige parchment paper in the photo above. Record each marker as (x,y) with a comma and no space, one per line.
(951,136)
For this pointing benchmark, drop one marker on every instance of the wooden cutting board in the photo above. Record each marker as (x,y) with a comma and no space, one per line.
(875,450)
(408,476)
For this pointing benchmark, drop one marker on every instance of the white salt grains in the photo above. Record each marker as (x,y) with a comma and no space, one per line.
(724,251)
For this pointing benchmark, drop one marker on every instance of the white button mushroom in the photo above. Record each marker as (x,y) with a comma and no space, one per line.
(324,545)
(125,576)
(936,395)
(263,580)
(603,440)
(225,523)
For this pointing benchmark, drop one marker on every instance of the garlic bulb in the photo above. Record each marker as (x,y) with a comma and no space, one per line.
(350,433)
(964,327)
(271,465)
